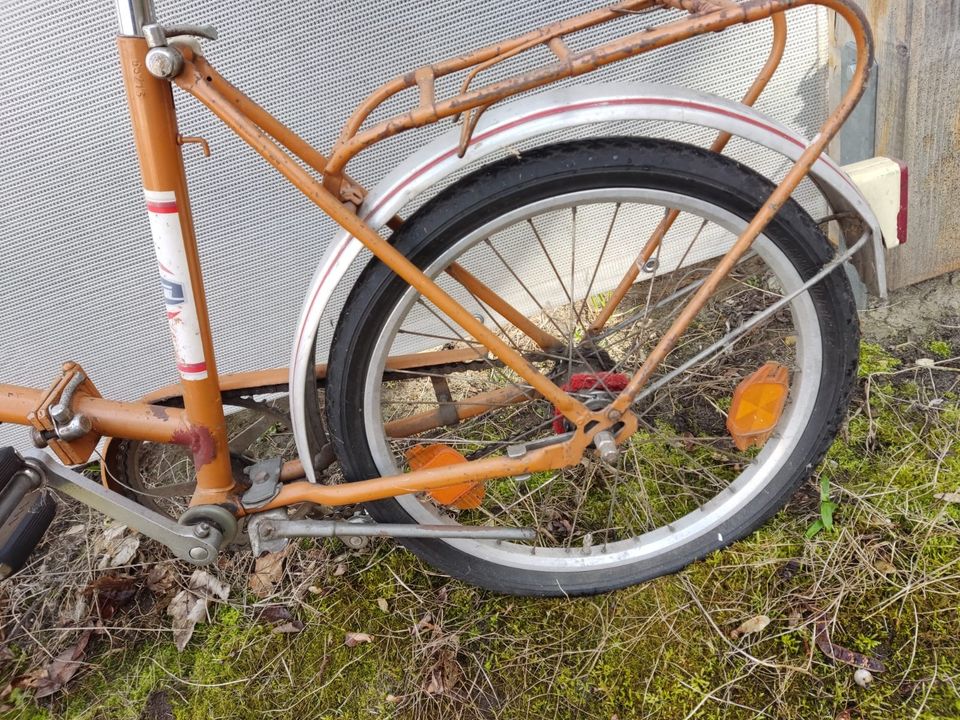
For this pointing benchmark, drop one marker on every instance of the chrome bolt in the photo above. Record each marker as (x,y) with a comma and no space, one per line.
(198,553)
(516,451)
(357,542)
(39,438)
(651,265)
(164,62)
(61,414)
(201,530)
(606,447)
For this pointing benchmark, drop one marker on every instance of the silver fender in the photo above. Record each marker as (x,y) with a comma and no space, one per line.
(522,120)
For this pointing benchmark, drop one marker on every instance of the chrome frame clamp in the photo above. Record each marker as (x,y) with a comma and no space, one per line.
(198,544)
(164,59)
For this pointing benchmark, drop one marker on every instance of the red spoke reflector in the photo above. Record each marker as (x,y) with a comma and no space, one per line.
(609,382)
(757,406)
(464,496)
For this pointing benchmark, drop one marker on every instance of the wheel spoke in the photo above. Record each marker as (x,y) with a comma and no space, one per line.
(555,260)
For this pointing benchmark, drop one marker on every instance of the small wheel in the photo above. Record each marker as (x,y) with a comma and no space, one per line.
(553,233)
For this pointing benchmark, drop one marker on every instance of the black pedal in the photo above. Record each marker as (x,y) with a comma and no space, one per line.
(10,463)
(27,512)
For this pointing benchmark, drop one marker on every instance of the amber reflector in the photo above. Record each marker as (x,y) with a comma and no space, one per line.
(757,406)
(465,496)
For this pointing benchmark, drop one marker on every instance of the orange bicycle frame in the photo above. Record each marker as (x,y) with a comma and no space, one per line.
(200,425)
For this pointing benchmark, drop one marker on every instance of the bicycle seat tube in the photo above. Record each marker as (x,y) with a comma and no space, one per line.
(156,138)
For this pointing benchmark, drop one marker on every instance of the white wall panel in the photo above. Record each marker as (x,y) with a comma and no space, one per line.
(78,276)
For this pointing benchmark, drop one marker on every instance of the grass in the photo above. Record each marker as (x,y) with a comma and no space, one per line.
(885,578)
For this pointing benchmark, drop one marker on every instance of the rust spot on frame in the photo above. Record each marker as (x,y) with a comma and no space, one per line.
(159,412)
(201,443)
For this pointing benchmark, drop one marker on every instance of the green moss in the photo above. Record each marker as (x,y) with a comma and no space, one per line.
(940,348)
(874,359)
(662,650)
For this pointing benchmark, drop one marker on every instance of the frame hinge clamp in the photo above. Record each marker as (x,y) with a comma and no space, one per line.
(56,422)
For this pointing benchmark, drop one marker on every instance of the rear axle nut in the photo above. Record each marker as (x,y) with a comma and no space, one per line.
(606,447)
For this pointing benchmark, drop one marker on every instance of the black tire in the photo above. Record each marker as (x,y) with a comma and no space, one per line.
(582,165)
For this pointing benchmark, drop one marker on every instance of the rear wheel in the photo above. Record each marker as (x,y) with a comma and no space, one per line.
(552,233)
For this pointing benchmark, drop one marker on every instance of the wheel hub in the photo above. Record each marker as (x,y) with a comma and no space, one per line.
(602,388)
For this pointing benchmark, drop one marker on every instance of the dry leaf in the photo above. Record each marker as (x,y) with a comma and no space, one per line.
(754,624)
(426,623)
(189,606)
(126,551)
(74,610)
(951,497)
(115,547)
(63,667)
(382,604)
(110,593)
(275,614)
(444,675)
(821,636)
(162,578)
(268,572)
(352,639)
(339,570)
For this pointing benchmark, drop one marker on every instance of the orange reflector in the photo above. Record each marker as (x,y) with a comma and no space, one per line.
(757,406)
(465,496)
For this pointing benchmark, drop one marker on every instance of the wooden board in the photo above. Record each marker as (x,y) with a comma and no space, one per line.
(918,122)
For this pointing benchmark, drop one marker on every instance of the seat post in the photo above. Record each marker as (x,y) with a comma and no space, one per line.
(132,15)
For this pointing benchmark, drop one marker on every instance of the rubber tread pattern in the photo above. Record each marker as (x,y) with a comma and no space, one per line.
(666,165)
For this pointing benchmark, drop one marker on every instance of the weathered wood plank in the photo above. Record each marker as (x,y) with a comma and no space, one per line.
(918,121)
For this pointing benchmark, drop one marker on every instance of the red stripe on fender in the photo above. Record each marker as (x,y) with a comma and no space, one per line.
(557,111)
(903,217)
(161,206)
(192,367)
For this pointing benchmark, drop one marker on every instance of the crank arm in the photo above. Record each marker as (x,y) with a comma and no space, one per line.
(182,540)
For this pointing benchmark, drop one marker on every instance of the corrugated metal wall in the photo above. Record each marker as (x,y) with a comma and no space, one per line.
(79,278)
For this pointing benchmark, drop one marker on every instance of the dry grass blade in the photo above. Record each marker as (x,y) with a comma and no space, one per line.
(884,584)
